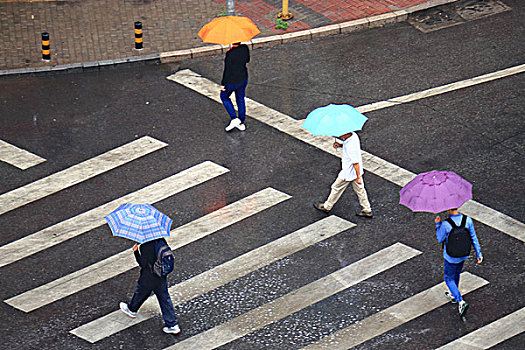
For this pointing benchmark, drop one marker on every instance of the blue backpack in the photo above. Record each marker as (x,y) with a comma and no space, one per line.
(165,259)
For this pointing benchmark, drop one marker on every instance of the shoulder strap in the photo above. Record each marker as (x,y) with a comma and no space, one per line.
(451,222)
(464,221)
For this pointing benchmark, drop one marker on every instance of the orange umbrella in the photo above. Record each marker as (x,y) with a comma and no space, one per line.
(229,29)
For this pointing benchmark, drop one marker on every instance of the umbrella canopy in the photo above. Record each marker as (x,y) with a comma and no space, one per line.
(334,120)
(228,29)
(139,222)
(436,191)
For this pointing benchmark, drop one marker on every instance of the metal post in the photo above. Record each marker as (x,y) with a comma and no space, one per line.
(46,52)
(138,36)
(285,15)
(230,7)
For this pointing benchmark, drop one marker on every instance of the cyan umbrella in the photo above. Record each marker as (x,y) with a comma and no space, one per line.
(435,191)
(139,222)
(334,120)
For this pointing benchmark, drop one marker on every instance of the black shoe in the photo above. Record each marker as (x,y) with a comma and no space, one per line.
(463,307)
(365,214)
(320,206)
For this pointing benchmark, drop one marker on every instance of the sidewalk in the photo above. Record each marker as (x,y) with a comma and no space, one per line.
(102,30)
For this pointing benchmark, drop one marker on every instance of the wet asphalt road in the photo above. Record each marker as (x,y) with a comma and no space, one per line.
(478,132)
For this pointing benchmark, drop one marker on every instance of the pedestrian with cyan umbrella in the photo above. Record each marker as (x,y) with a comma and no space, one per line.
(147,226)
(437,191)
(341,121)
(232,30)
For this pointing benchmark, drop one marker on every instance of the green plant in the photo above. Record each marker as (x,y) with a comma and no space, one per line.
(223,12)
(281,24)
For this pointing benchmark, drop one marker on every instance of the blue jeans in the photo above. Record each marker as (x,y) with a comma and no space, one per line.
(239,90)
(452,273)
(148,283)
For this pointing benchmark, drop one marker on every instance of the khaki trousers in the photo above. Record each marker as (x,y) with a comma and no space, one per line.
(340,185)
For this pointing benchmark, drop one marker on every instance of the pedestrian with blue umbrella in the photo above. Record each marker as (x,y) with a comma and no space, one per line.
(147,226)
(341,121)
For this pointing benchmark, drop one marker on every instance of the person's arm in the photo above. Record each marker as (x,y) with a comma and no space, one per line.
(358,172)
(226,64)
(138,256)
(441,230)
(475,242)
(247,54)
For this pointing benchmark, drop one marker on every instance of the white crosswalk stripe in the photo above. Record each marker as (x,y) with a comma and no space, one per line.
(491,334)
(78,173)
(18,157)
(395,315)
(443,89)
(218,276)
(124,261)
(371,163)
(299,299)
(93,218)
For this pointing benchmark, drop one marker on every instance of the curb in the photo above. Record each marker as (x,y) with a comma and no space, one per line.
(267,41)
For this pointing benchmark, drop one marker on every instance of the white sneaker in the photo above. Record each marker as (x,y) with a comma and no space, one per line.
(126,310)
(172,330)
(234,123)
(241,127)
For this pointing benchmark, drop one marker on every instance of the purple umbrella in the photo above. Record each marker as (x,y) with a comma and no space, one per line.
(435,191)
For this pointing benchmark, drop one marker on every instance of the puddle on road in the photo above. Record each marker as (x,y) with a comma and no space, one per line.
(455,13)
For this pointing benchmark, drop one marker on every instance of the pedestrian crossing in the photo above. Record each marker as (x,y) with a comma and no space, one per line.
(78,173)
(94,218)
(219,276)
(301,298)
(371,163)
(124,261)
(395,315)
(490,335)
(18,157)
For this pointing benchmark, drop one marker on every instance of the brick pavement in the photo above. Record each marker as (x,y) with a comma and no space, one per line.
(94,30)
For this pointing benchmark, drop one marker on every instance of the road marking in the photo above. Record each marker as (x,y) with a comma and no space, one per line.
(18,157)
(491,334)
(93,218)
(395,315)
(299,298)
(124,261)
(78,173)
(218,276)
(442,89)
(371,163)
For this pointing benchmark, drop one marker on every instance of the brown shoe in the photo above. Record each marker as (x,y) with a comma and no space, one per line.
(366,214)
(320,206)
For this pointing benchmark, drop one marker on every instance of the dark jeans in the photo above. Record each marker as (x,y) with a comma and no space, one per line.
(239,90)
(148,283)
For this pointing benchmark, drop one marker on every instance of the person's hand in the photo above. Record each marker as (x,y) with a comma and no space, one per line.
(437,219)
(480,260)
(358,180)
(135,247)
(337,145)
(223,88)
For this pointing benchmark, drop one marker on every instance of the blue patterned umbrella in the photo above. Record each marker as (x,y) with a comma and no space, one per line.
(139,222)
(334,120)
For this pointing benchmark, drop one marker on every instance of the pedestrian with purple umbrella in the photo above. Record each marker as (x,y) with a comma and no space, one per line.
(437,191)
(457,252)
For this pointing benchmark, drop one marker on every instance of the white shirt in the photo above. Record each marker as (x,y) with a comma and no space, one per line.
(351,154)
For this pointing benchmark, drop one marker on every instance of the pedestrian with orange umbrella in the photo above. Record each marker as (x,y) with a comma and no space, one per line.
(232,30)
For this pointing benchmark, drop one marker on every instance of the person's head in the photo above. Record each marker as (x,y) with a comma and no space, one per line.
(452,211)
(236,44)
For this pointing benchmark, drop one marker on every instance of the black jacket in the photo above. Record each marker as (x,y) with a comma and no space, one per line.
(235,71)
(146,257)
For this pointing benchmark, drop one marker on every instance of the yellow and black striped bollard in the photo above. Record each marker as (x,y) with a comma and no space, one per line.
(138,36)
(46,51)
